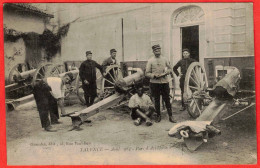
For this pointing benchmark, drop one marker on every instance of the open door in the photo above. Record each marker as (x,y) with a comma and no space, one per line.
(190,40)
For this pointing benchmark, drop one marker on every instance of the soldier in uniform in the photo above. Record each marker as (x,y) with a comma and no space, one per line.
(184,64)
(110,60)
(158,69)
(49,94)
(87,73)
(107,62)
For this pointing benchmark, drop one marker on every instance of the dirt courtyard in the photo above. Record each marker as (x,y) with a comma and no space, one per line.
(112,138)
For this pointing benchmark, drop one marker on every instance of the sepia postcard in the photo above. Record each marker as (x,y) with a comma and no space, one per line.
(129,83)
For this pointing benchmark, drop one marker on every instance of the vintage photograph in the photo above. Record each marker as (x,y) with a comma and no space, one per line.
(129,83)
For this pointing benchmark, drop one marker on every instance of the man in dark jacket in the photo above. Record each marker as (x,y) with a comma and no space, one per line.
(49,94)
(87,73)
(107,62)
(184,64)
(111,60)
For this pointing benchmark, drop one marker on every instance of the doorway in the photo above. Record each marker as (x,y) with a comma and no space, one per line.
(190,40)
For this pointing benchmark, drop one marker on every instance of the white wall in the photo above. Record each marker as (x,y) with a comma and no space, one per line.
(100,33)
(228,29)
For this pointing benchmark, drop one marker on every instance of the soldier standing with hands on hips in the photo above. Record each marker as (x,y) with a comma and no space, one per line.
(184,64)
(158,69)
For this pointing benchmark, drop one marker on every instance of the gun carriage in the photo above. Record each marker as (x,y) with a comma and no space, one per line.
(208,105)
(20,82)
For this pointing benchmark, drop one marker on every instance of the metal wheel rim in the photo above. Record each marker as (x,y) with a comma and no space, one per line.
(108,90)
(195,82)
(15,70)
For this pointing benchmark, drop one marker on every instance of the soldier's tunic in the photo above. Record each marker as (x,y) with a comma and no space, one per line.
(156,66)
(107,62)
(46,92)
(87,71)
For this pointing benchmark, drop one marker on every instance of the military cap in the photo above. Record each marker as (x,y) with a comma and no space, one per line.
(88,52)
(157,46)
(186,49)
(112,50)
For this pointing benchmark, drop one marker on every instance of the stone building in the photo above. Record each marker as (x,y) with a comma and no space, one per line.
(219,35)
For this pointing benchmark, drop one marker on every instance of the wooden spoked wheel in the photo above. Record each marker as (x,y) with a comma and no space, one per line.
(80,91)
(195,86)
(112,74)
(16,70)
(172,89)
(56,70)
(41,72)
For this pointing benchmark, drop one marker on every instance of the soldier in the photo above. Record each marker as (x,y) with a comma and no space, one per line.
(184,65)
(107,62)
(141,107)
(49,94)
(87,73)
(158,69)
(111,60)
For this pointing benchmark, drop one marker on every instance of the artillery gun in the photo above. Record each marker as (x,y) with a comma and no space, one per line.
(123,87)
(22,79)
(208,105)
(20,83)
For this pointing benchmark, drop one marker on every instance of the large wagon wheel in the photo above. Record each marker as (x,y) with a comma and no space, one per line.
(79,89)
(172,89)
(55,70)
(58,69)
(195,86)
(16,70)
(112,74)
(42,71)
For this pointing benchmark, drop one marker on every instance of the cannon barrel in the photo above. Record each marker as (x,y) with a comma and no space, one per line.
(124,83)
(76,71)
(25,74)
(129,80)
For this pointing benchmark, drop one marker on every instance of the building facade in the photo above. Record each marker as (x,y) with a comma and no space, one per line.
(218,34)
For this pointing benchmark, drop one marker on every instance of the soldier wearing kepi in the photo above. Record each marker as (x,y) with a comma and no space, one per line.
(158,69)
(184,64)
(87,73)
(107,62)
(111,60)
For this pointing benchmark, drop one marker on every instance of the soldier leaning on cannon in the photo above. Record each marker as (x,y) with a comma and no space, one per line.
(184,65)
(157,69)
(87,73)
(49,94)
